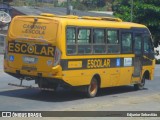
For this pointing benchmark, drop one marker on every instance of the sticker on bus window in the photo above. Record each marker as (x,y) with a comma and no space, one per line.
(127,61)
(118,62)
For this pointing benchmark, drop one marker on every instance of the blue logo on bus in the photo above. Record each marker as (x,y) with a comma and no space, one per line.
(11,58)
(118,62)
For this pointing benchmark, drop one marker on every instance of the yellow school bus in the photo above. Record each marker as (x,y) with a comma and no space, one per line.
(85,52)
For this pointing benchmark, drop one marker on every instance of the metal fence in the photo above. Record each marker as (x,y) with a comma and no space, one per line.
(2,43)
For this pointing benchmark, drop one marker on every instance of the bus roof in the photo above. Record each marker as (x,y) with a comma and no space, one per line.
(109,22)
(94,21)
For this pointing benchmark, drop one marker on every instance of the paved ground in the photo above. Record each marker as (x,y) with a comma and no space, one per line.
(110,99)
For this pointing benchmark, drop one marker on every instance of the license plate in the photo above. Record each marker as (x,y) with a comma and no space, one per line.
(28,59)
(32,68)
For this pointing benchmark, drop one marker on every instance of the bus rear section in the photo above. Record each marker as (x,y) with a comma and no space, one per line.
(31,49)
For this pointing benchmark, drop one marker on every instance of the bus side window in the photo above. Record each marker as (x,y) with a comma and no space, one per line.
(71,40)
(126,43)
(84,36)
(99,41)
(84,41)
(138,44)
(113,41)
(148,47)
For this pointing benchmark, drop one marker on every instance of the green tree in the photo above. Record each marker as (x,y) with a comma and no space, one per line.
(144,11)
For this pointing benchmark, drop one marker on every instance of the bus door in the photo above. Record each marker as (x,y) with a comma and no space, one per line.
(148,50)
(138,43)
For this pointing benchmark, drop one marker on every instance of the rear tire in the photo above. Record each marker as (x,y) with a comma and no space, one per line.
(92,89)
(140,86)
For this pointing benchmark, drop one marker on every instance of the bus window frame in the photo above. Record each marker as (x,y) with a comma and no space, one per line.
(119,40)
(143,32)
(132,41)
(92,44)
(66,44)
(142,42)
(150,43)
(91,38)
(112,29)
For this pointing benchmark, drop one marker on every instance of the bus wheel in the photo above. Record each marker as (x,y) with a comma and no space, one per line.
(92,89)
(140,86)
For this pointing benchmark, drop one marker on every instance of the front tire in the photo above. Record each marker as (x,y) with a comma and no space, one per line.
(140,85)
(92,89)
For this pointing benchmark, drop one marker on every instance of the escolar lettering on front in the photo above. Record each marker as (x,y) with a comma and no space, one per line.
(32,49)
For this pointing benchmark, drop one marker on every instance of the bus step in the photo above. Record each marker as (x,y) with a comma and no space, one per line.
(31,87)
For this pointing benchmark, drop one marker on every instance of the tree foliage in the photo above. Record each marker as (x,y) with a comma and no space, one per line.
(144,11)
